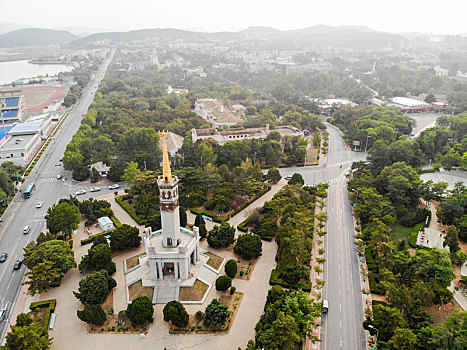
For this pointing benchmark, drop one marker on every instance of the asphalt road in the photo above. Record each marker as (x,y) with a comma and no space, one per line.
(49,190)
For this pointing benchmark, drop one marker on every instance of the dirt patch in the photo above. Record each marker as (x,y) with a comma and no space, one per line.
(195,293)
(440,314)
(214,261)
(133,261)
(39,314)
(137,290)
(232,301)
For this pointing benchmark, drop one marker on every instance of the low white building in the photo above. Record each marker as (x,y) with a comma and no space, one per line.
(23,140)
(105,223)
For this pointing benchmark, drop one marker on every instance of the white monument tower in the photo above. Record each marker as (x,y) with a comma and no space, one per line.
(168,188)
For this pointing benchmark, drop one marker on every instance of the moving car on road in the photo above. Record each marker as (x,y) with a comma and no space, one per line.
(95,189)
(17,265)
(288,177)
(114,186)
(80,192)
(3,257)
(59,177)
(26,230)
(39,205)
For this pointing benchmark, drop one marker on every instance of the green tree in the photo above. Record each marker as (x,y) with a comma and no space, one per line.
(248,246)
(452,239)
(274,176)
(296,179)
(95,288)
(183,217)
(98,258)
(202,231)
(231,268)
(291,273)
(199,220)
(124,237)
(283,334)
(175,311)
(216,314)
(93,314)
(223,283)
(140,310)
(47,263)
(27,334)
(403,339)
(63,218)
(221,236)
(131,171)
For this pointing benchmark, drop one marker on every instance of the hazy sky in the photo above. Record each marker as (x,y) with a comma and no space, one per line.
(212,15)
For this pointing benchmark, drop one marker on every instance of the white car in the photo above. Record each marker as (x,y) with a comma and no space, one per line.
(288,177)
(95,189)
(39,205)
(26,230)
(113,187)
(59,177)
(80,192)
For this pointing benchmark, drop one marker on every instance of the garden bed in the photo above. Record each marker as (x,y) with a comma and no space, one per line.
(137,290)
(215,261)
(133,261)
(232,301)
(195,293)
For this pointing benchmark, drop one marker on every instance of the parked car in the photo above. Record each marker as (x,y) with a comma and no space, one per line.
(95,189)
(288,177)
(3,257)
(39,204)
(26,230)
(80,192)
(114,186)
(17,265)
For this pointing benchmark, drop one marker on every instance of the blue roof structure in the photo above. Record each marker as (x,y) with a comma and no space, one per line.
(7,128)
(26,128)
(10,114)
(12,101)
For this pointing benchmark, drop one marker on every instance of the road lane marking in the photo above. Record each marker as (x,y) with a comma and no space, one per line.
(339,266)
(340,307)
(340,323)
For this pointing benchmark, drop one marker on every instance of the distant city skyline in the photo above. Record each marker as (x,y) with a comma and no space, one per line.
(210,15)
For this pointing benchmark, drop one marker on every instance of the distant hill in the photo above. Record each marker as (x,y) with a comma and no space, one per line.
(35,36)
(6,27)
(342,36)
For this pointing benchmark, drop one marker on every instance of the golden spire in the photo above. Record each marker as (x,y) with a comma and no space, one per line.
(166,172)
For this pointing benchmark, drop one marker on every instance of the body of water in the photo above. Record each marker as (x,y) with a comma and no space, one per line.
(14,70)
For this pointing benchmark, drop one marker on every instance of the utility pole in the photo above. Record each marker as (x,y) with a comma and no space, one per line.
(366,145)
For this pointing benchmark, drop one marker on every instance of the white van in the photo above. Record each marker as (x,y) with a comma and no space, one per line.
(325,306)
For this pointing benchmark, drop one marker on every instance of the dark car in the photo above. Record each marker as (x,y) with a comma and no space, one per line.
(3,257)
(17,265)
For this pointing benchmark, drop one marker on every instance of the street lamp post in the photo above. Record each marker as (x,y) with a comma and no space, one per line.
(254,160)
(377,333)
(366,145)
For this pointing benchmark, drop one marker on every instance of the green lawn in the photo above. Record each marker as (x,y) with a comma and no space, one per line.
(399,232)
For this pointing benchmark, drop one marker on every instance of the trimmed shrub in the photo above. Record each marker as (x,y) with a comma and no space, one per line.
(216,314)
(176,313)
(140,310)
(223,283)
(93,314)
(232,290)
(199,315)
(248,246)
(231,268)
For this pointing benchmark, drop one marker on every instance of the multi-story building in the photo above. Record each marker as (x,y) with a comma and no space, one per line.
(12,106)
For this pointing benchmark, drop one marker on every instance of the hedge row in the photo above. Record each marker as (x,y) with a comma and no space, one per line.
(128,208)
(92,238)
(49,304)
(219,219)
(425,171)
(214,218)
(375,286)
(275,280)
(242,227)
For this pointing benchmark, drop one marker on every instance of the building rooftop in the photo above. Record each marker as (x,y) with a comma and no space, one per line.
(408,102)
(155,240)
(17,142)
(105,220)
(29,128)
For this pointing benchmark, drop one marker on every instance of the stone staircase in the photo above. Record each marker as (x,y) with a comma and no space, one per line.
(166,294)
